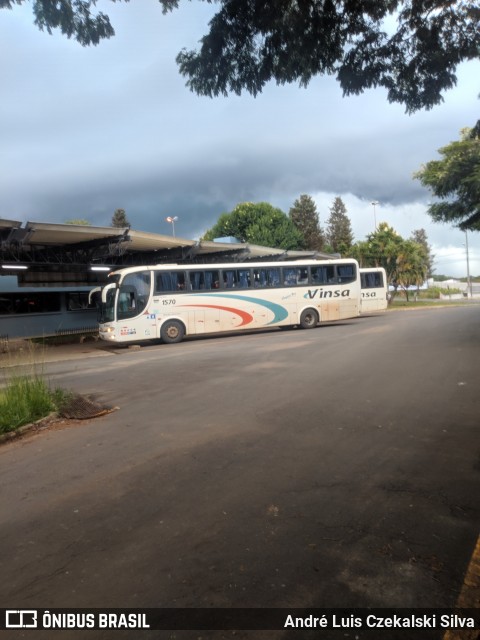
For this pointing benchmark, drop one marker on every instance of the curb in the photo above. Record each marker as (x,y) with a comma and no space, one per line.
(16,433)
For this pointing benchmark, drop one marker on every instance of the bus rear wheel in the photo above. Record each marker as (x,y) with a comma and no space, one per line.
(309,319)
(172,331)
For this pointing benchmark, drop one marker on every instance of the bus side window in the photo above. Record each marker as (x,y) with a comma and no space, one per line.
(267,277)
(273,277)
(370,280)
(346,273)
(378,280)
(302,276)
(295,275)
(243,278)
(319,275)
(166,281)
(212,279)
(235,278)
(289,277)
(204,280)
(229,278)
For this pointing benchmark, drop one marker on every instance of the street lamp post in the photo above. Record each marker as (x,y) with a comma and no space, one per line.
(172,219)
(374,204)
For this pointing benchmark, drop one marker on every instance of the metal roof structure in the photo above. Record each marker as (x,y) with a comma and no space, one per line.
(41,253)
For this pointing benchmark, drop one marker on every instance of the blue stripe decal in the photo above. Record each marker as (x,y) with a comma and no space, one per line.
(279,312)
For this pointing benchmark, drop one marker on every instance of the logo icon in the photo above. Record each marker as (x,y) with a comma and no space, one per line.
(21,619)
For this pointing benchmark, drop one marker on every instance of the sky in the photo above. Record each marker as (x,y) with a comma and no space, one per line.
(85,131)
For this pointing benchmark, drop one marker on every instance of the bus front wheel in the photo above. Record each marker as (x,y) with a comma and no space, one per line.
(309,319)
(172,331)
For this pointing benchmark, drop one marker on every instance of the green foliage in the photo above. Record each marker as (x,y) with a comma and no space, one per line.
(420,236)
(249,44)
(24,399)
(304,216)
(80,221)
(339,229)
(379,250)
(412,264)
(406,262)
(258,223)
(455,180)
(72,17)
(119,218)
(436,292)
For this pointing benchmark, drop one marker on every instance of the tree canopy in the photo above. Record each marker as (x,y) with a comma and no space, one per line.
(455,180)
(339,228)
(251,42)
(258,223)
(420,237)
(119,218)
(406,262)
(304,216)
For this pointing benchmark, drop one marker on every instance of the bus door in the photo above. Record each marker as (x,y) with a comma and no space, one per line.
(207,320)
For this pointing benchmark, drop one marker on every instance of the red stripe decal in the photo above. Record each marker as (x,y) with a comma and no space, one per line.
(246,317)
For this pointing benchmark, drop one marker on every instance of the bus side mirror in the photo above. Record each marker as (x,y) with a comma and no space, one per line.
(106,289)
(91,294)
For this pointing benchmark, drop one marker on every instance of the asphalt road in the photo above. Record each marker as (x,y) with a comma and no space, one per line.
(335,467)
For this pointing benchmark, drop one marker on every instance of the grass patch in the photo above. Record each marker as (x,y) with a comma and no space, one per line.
(27,398)
(68,338)
(401,303)
(436,292)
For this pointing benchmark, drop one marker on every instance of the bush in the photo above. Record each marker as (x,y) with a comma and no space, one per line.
(435,292)
(26,399)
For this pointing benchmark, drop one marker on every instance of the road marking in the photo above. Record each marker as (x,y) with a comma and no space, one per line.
(469,597)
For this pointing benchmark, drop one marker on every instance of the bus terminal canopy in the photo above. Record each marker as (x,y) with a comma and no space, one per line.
(66,254)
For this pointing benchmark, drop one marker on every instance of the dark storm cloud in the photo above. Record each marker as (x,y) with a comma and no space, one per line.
(199,190)
(86,131)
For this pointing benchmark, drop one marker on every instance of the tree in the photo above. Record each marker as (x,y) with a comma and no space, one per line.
(119,218)
(72,17)
(420,236)
(339,229)
(304,216)
(250,43)
(405,261)
(380,249)
(411,265)
(258,223)
(455,179)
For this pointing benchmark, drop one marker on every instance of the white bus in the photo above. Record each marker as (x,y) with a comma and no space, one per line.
(374,290)
(173,301)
